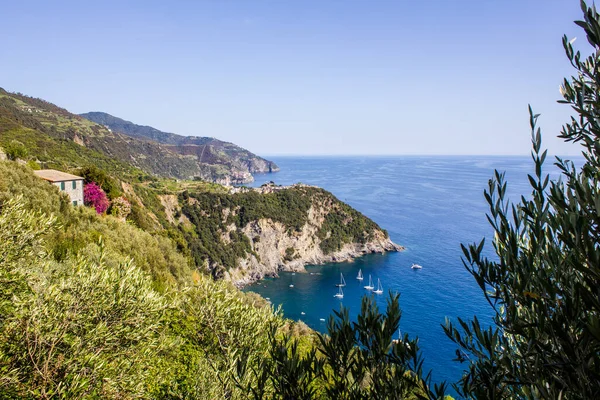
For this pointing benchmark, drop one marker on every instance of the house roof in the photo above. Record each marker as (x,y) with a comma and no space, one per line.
(53,175)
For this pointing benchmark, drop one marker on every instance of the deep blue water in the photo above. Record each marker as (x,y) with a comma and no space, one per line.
(430,205)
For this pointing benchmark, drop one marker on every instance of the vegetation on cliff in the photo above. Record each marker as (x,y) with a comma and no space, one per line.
(216,214)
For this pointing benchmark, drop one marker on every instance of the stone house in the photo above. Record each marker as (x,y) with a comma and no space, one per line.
(72,185)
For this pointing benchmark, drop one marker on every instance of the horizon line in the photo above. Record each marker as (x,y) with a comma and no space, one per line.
(408,155)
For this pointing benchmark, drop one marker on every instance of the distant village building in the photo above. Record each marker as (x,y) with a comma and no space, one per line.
(70,184)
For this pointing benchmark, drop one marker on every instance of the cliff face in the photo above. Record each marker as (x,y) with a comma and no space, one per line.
(277,250)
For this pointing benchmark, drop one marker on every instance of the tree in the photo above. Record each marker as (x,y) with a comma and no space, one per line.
(94,196)
(544,341)
(15,150)
(91,173)
(354,360)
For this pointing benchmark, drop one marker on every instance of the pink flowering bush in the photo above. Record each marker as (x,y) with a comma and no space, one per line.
(94,196)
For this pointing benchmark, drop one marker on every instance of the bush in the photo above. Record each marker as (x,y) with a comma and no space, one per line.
(15,150)
(72,329)
(94,196)
(34,165)
(120,208)
(91,173)
(358,360)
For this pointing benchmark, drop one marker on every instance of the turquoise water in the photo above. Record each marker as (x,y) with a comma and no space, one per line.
(430,205)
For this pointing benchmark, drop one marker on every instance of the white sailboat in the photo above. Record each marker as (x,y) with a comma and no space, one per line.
(379,287)
(359,277)
(339,294)
(416,266)
(400,339)
(370,285)
(342,281)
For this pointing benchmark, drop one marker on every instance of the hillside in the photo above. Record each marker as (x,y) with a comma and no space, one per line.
(243,234)
(64,140)
(94,307)
(207,150)
(251,233)
(141,303)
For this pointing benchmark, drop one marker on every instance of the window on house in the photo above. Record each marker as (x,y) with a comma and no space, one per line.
(74,184)
(74,202)
(62,186)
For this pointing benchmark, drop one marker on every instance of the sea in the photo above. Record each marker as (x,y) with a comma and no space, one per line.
(429,205)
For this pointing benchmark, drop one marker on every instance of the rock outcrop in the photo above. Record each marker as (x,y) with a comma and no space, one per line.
(276,249)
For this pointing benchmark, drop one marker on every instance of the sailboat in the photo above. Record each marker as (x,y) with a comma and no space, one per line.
(400,339)
(359,277)
(370,285)
(339,294)
(379,287)
(342,281)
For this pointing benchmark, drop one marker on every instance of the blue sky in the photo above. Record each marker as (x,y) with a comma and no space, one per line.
(304,77)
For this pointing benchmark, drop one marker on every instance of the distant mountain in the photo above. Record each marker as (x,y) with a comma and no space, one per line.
(65,141)
(206,150)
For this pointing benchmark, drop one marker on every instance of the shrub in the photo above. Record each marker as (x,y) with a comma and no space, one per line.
(120,207)
(94,196)
(91,173)
(15,150)
(34,165)
(77,329)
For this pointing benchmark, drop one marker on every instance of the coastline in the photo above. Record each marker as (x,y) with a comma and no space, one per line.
(251,270)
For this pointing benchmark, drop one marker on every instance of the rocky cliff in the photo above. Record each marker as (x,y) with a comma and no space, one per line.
(248,234)
(275,249)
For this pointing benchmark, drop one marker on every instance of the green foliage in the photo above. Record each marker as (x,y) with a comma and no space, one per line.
(15,150)
(111,186)
(290,254)
(543,287)
(94,325)
(80,227)
(217,326)
(37,194)
(358,360)
(79,328)
(212,213)
(345,225)
(34,165)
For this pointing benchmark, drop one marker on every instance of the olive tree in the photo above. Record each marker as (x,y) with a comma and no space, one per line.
(544,283)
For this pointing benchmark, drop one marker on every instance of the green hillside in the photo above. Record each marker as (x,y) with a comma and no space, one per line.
(64,140)
(206,150)
(92,307)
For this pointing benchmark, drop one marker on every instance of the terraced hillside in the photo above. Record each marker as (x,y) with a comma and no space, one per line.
(64,140)
(206,149)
